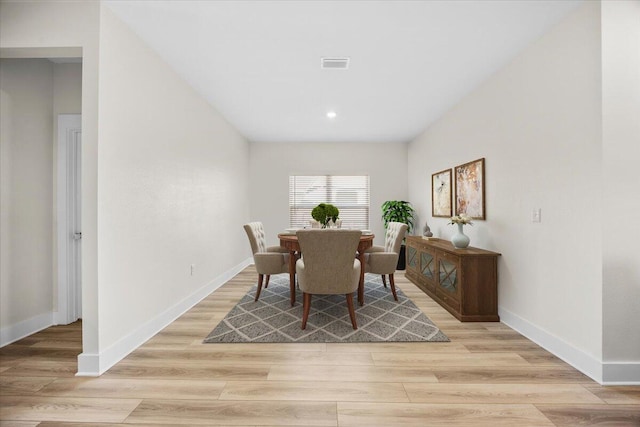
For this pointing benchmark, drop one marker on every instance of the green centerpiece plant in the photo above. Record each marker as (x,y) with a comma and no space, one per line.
(325,213)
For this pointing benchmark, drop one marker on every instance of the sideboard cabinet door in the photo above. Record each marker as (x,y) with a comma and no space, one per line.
(428,268)
(448,290)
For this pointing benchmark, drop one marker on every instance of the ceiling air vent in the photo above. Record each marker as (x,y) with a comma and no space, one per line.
(334,63)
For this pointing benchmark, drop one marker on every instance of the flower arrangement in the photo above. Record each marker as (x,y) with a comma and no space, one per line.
(324,213)
(460,219)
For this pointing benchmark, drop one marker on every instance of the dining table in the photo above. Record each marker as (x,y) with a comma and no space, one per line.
(290,242)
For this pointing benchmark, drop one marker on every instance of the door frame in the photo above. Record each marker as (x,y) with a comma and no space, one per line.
(68,219)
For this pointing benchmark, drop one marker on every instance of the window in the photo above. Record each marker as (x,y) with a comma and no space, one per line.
(350,194)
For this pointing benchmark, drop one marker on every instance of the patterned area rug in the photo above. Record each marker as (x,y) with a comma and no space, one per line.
(272,319)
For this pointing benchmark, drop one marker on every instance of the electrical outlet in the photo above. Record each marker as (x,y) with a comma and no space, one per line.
(193,268)
(536,215)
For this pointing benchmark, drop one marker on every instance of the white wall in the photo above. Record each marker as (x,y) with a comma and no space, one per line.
(621,195)
(67,88)
(271,164)
(67,99)
(172,192)
(34,92)
(41,29)
(5,200)
(538,124)
(27,197)
(172,176)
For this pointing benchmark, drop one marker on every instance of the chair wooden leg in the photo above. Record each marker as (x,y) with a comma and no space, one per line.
(266,283)
(384,281)
(306,306)
(260,277)
(352,312)
(393,287)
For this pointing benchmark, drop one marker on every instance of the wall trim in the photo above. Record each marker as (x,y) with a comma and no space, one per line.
(621,373)
(95,364)
(17,331)
(88,365)
(575,357)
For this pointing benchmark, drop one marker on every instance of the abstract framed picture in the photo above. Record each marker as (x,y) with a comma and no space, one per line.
(470,189)
(441,193)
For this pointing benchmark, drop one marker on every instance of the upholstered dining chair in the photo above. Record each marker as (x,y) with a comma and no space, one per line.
(268,260)
(384,259)
(328,267)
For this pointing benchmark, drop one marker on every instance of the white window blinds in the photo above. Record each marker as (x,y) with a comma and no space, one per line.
(350,194)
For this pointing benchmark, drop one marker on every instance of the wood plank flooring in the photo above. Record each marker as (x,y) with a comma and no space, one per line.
(488,375)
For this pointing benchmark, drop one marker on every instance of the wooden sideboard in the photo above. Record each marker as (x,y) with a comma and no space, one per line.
(463,281)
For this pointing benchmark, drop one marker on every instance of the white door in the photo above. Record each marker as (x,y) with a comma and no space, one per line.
(69,219)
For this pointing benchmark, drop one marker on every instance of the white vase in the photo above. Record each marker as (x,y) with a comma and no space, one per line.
(459,239)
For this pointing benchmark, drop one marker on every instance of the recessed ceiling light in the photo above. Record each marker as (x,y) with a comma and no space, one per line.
(331,114)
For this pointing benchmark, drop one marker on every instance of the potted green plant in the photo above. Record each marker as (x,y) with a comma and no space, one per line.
(399,211)
(325,213)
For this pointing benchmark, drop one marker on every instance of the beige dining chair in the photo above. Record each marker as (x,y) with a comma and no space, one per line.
(328,267)
(268,259)
(384,259)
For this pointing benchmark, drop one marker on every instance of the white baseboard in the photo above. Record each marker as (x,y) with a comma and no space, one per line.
(621,373)
(93,365)
(59,318)
(605,373)
(580,360)
(15,332)
(88,365)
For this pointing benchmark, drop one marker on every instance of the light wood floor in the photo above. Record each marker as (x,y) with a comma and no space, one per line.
(488,375)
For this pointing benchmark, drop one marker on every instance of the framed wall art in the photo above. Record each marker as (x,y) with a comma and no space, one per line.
(441,193)
(469,179)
